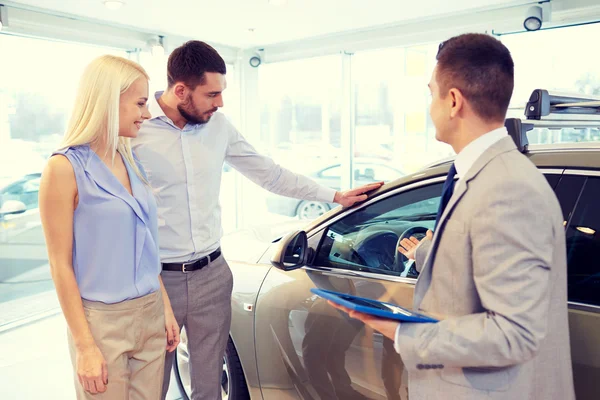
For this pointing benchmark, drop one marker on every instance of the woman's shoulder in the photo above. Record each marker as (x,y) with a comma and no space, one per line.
(77,155)
(59,169)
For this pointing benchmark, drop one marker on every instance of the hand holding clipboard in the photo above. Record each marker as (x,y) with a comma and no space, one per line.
(382,317)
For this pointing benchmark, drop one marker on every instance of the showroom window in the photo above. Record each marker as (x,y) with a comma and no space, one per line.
(558,60)
(300,114)
(392,121)
(35,105)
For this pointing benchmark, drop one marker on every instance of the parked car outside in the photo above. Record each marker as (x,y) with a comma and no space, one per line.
(364,172)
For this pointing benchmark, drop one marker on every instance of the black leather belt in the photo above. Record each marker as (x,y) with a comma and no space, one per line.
(192,265)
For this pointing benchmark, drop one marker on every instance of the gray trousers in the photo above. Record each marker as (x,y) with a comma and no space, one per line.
(201,301)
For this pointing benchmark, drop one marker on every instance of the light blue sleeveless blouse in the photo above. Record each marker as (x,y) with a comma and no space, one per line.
(115,235)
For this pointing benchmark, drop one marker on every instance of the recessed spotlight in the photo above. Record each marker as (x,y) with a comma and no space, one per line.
(113,4)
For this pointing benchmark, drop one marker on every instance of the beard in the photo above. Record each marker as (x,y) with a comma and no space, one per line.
(188,110)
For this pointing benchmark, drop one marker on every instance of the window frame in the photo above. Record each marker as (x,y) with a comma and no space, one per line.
(586,173)
(426,189)
(316,235)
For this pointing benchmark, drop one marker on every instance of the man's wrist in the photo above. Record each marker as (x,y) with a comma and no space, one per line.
(337,197)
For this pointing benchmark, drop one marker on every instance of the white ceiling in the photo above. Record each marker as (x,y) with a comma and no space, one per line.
(228,21)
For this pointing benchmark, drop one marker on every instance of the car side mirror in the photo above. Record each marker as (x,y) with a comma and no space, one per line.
(11,207)
(292,252)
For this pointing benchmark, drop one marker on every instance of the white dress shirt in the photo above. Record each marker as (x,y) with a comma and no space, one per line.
(184,168)
(463,163)
(467,157)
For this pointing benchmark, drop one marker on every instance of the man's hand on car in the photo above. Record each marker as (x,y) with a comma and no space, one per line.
(349,197)
(409,246)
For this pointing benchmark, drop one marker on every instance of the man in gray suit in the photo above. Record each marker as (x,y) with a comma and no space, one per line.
(495,268)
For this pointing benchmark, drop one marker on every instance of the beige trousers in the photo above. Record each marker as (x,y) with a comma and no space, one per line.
(131,336)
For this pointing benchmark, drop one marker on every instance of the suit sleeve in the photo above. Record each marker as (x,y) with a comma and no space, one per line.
(421,253)
(512,234)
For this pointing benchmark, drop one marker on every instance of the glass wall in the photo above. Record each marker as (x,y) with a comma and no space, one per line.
(394,134)
(37,91)
(36,101)
(301,123)
(559,60)
(300,116)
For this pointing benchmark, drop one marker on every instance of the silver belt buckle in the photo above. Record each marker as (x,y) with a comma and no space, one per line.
(184,265)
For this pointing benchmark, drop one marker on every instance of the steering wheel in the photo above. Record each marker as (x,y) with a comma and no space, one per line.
(400,259)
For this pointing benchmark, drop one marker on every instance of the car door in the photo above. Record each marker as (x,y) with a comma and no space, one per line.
(582,190)
(307,350)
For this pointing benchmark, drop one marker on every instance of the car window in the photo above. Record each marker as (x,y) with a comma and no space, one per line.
(14,189)
(366,240)
(568,190)
(583,246)
(32,185)
(552,179)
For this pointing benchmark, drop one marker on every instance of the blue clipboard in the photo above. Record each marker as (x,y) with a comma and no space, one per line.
(373,307)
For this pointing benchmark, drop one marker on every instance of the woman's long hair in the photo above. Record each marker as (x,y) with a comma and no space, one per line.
(95,117)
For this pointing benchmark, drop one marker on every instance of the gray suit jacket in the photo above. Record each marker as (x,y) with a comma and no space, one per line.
(497,272)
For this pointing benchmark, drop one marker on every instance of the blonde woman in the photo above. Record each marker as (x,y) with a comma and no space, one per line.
(100,222)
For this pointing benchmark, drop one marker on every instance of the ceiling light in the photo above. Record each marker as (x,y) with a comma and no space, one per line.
(533,18)
(277,2)
(113,4)
(586,230)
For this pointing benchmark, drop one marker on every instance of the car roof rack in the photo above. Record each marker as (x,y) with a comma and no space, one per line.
(554,110)
(547,105)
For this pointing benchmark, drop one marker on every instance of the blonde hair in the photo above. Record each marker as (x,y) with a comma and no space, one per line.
(95,117)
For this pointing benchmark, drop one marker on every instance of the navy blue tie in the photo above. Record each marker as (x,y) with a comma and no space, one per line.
(447,191)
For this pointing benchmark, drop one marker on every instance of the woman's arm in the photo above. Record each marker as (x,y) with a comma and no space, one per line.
(57,202)
(171,325)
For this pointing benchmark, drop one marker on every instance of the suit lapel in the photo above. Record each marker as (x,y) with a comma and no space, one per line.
(502,146)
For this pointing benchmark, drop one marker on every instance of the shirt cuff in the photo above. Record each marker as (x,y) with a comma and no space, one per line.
(326,194)
(397,339)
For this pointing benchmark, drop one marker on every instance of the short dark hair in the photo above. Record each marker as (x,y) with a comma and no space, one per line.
(482,68)
(189,62)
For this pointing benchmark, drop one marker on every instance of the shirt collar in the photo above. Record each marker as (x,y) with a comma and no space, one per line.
(155,109)
(467,157)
